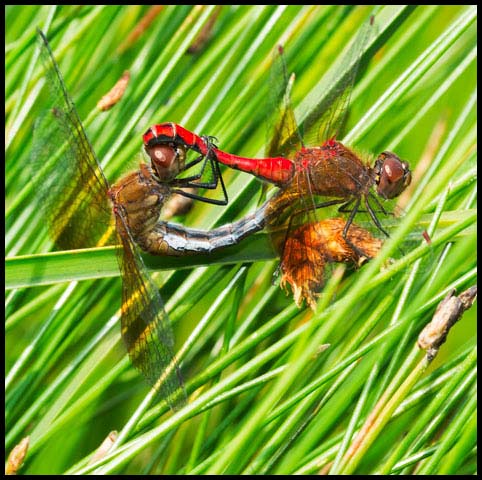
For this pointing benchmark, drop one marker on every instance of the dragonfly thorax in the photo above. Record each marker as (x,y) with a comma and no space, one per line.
(139,196)
(333,170)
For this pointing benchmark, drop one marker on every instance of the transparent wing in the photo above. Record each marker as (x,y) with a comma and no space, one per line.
(73,194)
(283,135)
(71,186)
(145,325)
(328,118)
(310,241)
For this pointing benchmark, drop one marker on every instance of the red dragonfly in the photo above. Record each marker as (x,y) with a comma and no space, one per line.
(75,193)
(330,170)
(306,249)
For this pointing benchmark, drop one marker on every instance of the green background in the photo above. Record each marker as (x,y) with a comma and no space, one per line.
(69,382)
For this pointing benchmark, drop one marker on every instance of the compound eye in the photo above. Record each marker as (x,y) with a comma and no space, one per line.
(167,160)
(162,155)
(393,175)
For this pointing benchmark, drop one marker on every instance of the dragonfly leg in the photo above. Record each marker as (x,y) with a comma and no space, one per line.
(212,201)
(215,169)
(379,205)
(356,209)
(345,208)
(377,223)
(360,253)
(185,181)
(200,158)
(313,207)
(218,178)
(329,204)
(353,212)
(374,218)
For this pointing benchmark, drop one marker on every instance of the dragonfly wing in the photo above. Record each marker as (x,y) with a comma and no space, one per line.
(73,194)
(311,247)
(313,242)
(327,119)
(145,325)
(283,135)
(72,189)
(302,263)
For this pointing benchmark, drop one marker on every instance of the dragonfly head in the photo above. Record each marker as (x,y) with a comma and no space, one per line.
(167,160)
(392,175)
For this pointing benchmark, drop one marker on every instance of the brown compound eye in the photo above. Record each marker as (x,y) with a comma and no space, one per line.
(392,175)
(167,160)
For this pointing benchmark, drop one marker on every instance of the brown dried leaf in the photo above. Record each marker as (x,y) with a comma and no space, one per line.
(17,456)
(140,28)
(205,34)
(115,93)
(448,312)
(104,447)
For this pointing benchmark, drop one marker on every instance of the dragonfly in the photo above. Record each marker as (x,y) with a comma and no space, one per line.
(306,249)
(329,169)
(83,210)
(332,170)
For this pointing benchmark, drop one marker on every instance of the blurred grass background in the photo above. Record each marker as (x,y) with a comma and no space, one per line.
(69,382)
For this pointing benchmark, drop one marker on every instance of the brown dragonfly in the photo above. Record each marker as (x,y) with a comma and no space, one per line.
(74,194)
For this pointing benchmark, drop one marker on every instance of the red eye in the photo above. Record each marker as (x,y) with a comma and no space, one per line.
(162,155)
(393,175)
(167,160)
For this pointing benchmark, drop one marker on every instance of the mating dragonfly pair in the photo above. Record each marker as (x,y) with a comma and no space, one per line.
(78,211)
(330,170)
